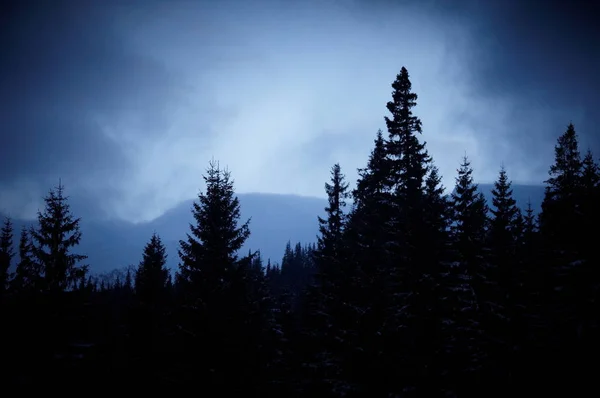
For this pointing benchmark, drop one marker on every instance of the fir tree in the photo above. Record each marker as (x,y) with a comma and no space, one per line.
(507,296)
(468,279)
(57,234)
(152,274)
(27,275)
(565,173)
(569,291)
(590,175)
(330,317)
(470,213)
(590,211)
(408,156)
(209,254)
(436,221)
(331,229)
(561,217)
(128,285)
(505,217)
(215,282)
(6,255)
(372,181)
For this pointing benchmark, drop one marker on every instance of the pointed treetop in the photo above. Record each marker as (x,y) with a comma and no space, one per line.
(567,161)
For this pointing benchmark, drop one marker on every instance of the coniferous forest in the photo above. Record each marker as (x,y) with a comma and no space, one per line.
(410,289)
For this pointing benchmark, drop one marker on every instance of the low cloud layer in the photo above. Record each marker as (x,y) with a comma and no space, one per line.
(128,103)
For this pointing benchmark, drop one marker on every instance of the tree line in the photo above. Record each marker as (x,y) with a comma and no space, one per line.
(408,291)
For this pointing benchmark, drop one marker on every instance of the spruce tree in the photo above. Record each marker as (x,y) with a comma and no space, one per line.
(27,274)
(151,275)
(590,175)
(372,181)
(331,318)
(408,156)
(506,295)
(590,211)
(468,277)
(330,241)
(57,234)
(214,281)
(6,255)
(469,227)
(209,255)
(505,216)
(129,282)
(408,164)
(560,220)
(367,236)
(569,290)
(529,226)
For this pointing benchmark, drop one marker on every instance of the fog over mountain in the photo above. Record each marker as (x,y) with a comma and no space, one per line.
(275,219)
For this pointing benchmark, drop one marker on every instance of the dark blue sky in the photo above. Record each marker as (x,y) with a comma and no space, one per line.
(127,101)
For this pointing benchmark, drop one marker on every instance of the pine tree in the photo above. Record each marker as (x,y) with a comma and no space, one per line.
(57,233)
(371,209)
(6,255)
(128,285)
(408,163)
(215,282)
(152,274)
(590,176)
(436,223)
(506,294)
(209,254)
(566,171)
(368,238)
(408,156)
(331,229)
(27,275)
(505,216)
(569,290)
(590,197)
(372,181)
(330,314)
(470,213)
(560,220)
(529,225)
(468,277)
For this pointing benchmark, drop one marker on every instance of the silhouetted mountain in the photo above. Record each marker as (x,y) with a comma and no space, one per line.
(275,220)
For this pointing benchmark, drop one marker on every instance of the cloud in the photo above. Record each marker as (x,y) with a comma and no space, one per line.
(65,74)
(127,102)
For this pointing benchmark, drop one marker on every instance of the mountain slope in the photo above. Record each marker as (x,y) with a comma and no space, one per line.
(275,219)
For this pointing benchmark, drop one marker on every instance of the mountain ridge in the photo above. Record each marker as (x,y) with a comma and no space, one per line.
(274,219)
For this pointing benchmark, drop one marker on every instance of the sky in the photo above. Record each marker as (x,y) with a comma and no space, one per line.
(127,101)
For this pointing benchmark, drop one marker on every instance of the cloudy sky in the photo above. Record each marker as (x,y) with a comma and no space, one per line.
(127,101)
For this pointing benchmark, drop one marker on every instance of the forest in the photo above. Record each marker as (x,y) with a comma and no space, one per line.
(410,289)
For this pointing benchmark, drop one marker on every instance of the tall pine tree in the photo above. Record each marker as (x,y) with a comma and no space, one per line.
(209,255)
(504,223)
(330,300)
(468,277)
(561,217)
(57,234)
(213,279)
(330,242)
(506,294)
(151,275)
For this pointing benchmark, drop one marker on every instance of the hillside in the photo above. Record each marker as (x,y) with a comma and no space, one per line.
(275,219)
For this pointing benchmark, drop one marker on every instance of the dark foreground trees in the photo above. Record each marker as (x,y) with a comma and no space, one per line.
(411,290)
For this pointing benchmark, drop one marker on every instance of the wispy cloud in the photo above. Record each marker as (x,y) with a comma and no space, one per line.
(132,107)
